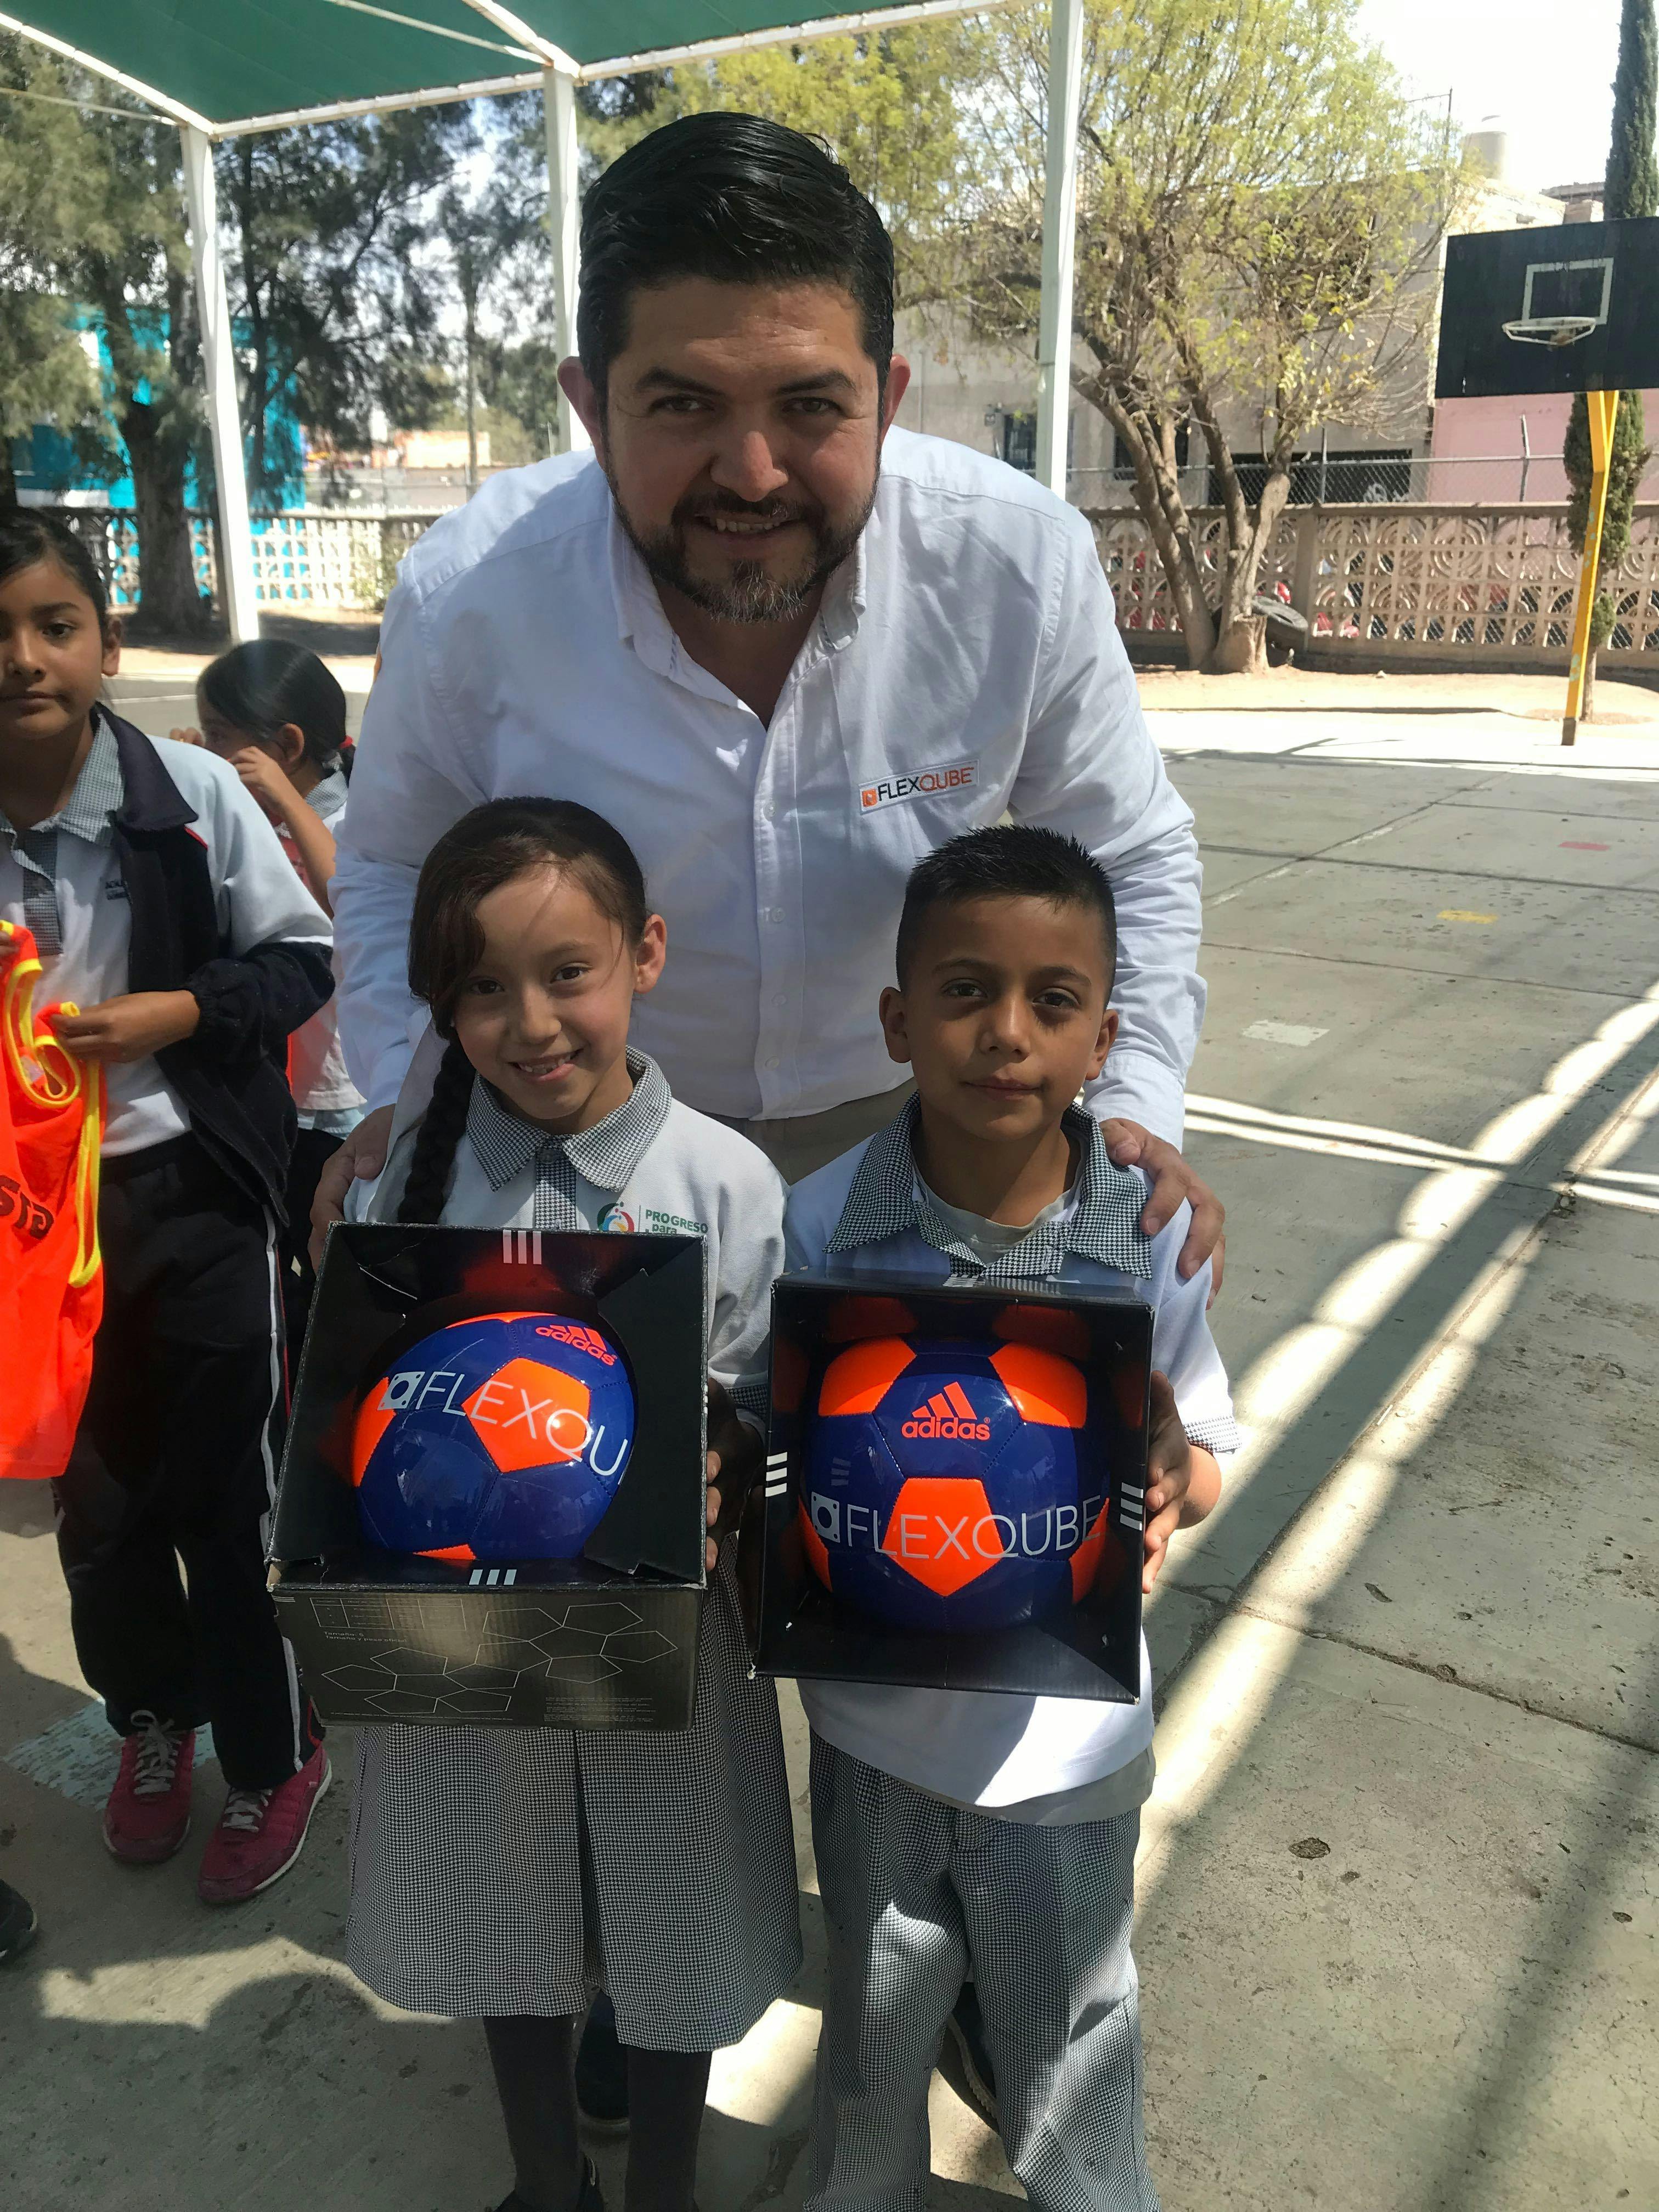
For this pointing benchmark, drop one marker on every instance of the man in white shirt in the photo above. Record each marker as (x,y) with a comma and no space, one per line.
(787,650)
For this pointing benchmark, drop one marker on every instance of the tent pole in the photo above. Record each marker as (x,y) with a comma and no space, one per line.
(238,602)
(559,112)
(1058,245)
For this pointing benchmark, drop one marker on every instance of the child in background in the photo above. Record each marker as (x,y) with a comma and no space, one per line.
(277,716)
(161,904)
(959,1830)
(502,1874)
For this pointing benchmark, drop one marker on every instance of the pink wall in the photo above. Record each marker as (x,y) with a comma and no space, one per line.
(1486,427)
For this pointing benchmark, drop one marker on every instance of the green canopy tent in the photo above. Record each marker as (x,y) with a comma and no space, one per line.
(220,68)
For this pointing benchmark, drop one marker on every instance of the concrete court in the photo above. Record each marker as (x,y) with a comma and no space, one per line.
(1398,1918)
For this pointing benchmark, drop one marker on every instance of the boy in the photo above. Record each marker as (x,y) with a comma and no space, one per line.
(959,1830)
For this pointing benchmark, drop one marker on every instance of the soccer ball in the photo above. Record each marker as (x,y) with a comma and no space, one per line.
(502,1437)
(951,1485)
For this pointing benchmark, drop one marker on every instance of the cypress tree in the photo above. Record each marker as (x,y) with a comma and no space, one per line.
(1631,188)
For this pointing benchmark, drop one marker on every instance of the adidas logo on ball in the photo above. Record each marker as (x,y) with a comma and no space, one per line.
(949,1413)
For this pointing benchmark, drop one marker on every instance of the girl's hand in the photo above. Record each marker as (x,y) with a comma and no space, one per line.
(129,1028)
(734,1459)
(185,737)
(265,779)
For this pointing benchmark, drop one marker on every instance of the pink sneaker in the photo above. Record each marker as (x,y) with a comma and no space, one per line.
(148,1814)
(260,1834)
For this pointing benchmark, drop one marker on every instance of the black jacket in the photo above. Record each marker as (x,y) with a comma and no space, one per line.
(232,1075)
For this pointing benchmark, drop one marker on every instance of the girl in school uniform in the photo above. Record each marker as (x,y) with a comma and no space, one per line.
(161,904)
(277,716)
(504,1874)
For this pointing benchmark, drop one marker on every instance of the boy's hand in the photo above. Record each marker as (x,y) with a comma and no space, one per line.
(1129,1145)
(1169,1477)
(129,1028)
(734,1459)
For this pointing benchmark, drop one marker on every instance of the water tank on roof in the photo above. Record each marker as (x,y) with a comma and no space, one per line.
(1489,149)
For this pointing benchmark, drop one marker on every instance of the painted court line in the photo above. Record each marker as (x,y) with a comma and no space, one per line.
(1462,914)
(1291,1033)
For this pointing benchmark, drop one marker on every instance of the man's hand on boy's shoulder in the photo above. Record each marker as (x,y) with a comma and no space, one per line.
(1174,1185)
(130,1028)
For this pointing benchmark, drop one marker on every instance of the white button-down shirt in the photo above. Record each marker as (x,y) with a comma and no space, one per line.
(965,662)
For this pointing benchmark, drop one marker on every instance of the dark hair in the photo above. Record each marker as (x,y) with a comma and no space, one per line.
(29,534)
(260,685)
(737,199)
(1010,860)
(484,850)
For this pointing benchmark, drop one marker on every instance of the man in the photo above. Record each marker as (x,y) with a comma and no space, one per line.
(787,651)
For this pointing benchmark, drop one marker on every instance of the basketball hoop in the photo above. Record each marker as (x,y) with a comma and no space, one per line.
(1551,330)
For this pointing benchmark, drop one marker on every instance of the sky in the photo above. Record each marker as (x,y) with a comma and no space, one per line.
(1542,69)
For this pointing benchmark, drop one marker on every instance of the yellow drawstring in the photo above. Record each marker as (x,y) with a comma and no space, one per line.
(52,1077)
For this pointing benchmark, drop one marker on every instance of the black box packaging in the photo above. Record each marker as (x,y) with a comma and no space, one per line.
(606,1641)
(1091,1650)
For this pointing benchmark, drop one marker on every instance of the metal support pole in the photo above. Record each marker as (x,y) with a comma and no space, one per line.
(559,114)
(1526,456)
(1059,244)
(1603,408)
(238,601)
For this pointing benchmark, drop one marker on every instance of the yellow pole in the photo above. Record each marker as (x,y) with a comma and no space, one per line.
(1603,410)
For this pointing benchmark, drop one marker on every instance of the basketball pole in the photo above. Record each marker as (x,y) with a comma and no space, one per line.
(1603,408)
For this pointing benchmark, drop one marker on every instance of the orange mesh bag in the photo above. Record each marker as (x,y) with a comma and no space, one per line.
(51,1284)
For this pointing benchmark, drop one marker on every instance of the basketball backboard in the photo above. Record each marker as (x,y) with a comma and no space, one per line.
(1568,306)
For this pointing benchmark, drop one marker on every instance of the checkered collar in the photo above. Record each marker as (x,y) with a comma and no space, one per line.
(99,792)
(606,1155)
(888,1197)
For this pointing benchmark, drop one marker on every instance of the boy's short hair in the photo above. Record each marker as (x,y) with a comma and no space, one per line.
(1010,860)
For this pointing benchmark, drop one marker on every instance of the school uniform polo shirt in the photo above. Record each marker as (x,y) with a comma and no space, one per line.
(1046,1761)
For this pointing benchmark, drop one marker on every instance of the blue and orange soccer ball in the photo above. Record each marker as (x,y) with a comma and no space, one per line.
(499,1439)
(952,1485)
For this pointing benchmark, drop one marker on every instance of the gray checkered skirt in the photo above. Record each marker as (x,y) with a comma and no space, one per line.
(498,1872)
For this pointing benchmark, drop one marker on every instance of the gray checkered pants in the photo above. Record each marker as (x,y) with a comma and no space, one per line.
(914,1891)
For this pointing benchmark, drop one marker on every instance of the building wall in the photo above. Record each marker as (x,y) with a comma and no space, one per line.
(1481,427)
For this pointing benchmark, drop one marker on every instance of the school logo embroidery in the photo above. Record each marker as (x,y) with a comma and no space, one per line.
(615,1220)
(926,783)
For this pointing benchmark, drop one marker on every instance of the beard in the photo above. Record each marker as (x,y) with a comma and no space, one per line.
(749,592)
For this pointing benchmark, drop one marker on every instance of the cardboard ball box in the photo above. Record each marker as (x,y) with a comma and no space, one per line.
(608,1640)
(796,1626)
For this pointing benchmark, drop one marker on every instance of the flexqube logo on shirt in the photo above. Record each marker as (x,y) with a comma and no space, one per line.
(924,783)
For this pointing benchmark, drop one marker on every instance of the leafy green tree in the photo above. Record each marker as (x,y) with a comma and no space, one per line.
(336,292)
(1631,189)
(45,376)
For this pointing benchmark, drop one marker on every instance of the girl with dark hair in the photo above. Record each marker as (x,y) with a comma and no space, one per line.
(504,1873)
(277,716)
(161,905)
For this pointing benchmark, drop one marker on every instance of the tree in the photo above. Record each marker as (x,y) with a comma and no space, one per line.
(45,373)
(336,286)
(1631,188)
(1260,214)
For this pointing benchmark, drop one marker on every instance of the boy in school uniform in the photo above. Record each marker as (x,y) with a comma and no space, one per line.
(960,1832)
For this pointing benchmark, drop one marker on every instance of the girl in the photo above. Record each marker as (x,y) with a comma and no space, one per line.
(276,715)
(504,1873)
(160,902)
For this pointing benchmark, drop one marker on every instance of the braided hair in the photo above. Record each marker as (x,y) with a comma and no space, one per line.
(492,845)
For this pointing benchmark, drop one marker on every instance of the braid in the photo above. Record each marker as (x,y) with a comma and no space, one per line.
(438,1138)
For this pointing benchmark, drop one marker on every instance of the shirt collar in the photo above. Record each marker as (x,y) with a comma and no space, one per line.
(887,1197)
(99,795)
(606,1155)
